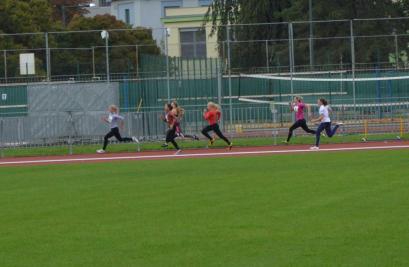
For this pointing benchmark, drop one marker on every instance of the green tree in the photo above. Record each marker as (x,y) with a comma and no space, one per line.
(126,46)
(72,8)
(331,43)
(248,42)
(71,52)
(373,51)
(24,17)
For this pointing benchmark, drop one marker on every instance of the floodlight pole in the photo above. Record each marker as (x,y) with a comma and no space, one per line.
(167,62)
(107,56)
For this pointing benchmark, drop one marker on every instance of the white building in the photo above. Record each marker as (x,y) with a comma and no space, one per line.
(101,7)
(143,13)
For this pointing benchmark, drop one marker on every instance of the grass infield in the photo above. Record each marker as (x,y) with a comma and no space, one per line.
(319,209)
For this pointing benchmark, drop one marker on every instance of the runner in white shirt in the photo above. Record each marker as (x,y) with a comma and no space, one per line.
(325,123)
(115,122)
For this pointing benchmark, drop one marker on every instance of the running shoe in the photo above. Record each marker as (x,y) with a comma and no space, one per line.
(285,142)
(100,151)
(165,145)
(230,146)
(136,140)
(314,148)
(339,123)
(178,152)
(196,138)
(211,142)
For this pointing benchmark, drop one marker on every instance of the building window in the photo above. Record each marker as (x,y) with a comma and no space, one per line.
(127,16)
(170,4)
(193,43)
(205,2)
(105,2)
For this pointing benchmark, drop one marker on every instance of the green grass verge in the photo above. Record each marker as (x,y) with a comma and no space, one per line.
(319,209)
(149,146)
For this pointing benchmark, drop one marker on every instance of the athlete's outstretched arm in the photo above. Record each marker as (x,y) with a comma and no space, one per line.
(105,119)
(319,119)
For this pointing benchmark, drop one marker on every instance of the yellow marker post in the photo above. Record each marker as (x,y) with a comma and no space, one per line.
(139,105)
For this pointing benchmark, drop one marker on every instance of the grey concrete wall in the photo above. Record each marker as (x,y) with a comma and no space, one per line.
(71,97)
(56,111)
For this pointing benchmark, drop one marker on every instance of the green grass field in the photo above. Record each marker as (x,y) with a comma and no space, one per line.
(315,209)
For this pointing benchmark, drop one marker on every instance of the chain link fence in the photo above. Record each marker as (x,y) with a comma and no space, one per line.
(52,99)
(360,44)
(73,128)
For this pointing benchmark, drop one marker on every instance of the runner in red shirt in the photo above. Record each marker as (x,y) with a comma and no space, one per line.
(212,114)
(170,119)
(179,113)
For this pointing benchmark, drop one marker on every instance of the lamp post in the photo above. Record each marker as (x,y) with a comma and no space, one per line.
(105,35)
(167,35)
(63,10)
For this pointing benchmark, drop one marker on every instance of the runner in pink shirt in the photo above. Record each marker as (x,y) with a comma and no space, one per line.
(298,107)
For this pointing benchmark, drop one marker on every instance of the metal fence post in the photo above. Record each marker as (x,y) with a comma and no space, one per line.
(274,110)
(311,39)
(291,55)
(5,65)
(396,49)
(48,57)
(1,138)
(137,60)
(136,116)
(71,131)
(167,63)
(351,26)
(219,86)
(230,81)
(267,58)
(93,62)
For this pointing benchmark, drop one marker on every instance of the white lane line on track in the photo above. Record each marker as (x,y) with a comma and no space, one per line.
(215,154)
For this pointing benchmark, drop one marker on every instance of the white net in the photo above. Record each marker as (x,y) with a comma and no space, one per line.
(367,104)
(338,87)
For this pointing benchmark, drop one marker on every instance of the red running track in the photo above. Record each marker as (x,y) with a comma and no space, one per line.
(202,153)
